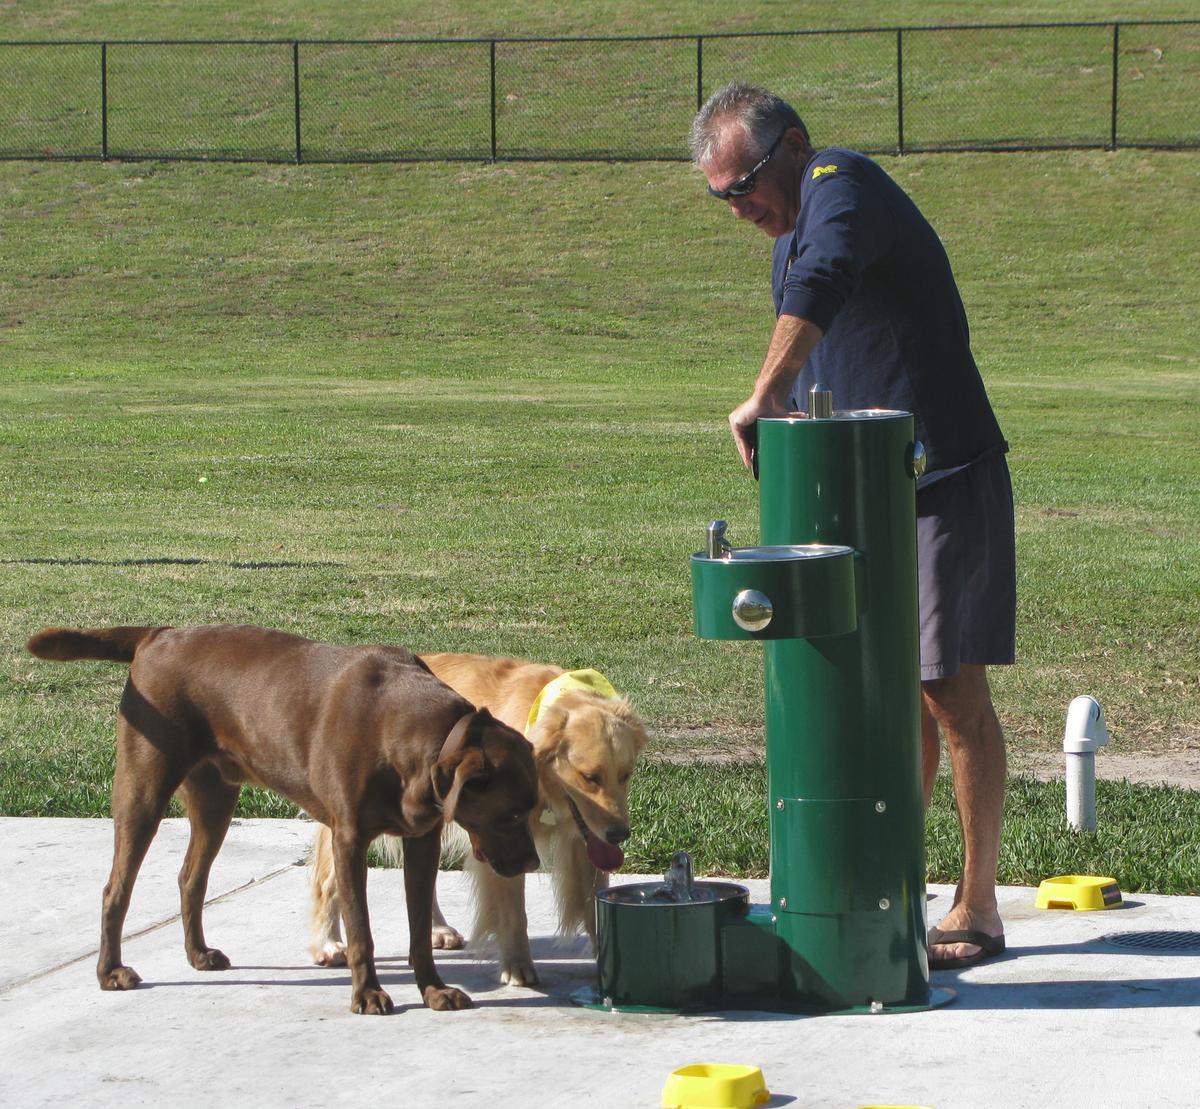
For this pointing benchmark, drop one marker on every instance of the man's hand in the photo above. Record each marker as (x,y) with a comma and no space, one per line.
(791,343)
(744,418)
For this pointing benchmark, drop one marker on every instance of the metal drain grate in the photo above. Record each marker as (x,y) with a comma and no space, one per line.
(1156,941)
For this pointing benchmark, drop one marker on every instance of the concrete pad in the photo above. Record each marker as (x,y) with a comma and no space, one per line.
(1064,1018)
(56,871)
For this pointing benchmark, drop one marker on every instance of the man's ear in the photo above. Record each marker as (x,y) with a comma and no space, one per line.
(798,143)
(460,761)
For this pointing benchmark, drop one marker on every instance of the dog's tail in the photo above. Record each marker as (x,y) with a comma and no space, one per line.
(107,644)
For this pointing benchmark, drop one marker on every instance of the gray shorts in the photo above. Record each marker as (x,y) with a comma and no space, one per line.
(967,569)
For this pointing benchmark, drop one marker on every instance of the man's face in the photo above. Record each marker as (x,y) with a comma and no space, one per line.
(774,203)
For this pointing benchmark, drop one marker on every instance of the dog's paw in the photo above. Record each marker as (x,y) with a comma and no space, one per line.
(519,972)
(331,955)
(445,998)
(209,959)
(372,1002)
(119,978)
(445,938)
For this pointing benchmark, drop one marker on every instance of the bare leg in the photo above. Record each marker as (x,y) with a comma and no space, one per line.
(210,803)
(962,706)
(931,751)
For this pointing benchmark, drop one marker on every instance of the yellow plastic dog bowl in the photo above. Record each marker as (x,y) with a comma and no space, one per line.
(715,1086)
(1081,892)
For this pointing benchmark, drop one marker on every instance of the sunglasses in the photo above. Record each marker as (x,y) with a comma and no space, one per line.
(744,186)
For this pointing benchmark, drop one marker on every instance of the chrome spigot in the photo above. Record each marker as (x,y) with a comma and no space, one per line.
(717,546)
(678,878)
(820,402)
(678,884)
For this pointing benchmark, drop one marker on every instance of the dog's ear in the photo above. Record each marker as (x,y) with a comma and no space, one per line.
(635,728)
(549,733)
(461,762)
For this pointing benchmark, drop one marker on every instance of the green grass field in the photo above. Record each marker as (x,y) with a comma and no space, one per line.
(483,18)
(483,407)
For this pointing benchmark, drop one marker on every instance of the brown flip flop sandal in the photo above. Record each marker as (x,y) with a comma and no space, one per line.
(989,947)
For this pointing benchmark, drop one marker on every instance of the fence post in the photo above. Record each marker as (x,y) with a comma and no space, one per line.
(699,72)
(104,101)
(492,54)
(899,90)
(1112,141)
(296,95)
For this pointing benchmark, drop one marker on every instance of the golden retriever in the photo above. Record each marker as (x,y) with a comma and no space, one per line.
(586,741)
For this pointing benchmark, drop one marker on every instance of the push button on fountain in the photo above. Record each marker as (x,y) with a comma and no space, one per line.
(918,460)
(752,610)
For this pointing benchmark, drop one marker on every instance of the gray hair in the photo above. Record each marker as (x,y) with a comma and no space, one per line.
(761,114)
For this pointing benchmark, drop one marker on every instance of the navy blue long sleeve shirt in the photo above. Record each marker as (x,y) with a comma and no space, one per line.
(866,267)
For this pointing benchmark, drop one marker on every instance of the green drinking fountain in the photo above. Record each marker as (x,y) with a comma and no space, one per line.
(831,593)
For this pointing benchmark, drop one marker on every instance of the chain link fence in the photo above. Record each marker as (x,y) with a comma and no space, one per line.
(889,90)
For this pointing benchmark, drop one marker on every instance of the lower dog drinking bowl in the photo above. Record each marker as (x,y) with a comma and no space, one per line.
(658,944)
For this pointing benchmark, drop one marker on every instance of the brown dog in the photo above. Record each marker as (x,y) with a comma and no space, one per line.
(365,739)
(586,742)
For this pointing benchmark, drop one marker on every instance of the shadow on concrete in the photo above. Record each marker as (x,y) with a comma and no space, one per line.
(1101,946)
(1081,994)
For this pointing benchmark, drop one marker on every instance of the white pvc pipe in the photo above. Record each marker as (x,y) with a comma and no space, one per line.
(1081,790)
(1084,732)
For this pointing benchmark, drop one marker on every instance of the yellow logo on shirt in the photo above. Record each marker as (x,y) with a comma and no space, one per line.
(821,170)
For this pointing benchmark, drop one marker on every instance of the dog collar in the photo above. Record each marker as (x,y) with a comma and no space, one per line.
(591,680)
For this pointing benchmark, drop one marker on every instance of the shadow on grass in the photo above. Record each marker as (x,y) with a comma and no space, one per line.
(169,562)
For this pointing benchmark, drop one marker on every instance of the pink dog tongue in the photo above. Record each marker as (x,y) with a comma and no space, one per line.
(604,856)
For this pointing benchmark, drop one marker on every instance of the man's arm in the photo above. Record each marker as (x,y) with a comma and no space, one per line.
(791,343)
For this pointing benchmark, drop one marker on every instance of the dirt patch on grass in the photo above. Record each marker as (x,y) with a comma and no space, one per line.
(1179,768)
(706,743)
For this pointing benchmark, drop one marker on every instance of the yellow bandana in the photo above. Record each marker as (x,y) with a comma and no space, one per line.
(591,680)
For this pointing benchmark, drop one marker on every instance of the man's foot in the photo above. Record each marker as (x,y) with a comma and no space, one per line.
(963,939)
(983,945)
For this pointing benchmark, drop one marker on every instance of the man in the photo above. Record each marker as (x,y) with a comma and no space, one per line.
(866,302)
